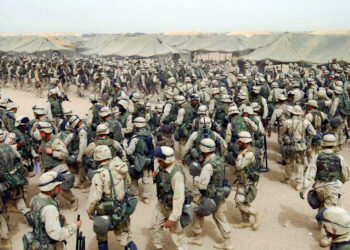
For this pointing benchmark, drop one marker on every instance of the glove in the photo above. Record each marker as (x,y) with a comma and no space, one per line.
(301,194)
(168,224)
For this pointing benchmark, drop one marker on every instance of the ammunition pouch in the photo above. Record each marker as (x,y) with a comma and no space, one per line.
(250,194)
(206,207)
(312,199)
(68,181)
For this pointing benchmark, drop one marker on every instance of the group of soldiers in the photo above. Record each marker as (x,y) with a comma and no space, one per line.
(206,116)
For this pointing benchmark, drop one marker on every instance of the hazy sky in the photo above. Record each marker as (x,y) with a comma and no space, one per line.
(114,16)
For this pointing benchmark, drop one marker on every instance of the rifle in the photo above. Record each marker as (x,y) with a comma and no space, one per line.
(266,169)
(80,243)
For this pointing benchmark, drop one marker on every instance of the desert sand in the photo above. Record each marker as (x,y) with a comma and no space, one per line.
(289,222)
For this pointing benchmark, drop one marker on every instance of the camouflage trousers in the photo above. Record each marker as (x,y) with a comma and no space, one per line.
(327,197)
(244,207)
(220,220)
(122,232)
(16,201)
(160,215)
(312,151)
(146,186)
(296,161)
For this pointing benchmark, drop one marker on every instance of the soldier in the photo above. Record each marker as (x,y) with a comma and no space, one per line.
(171,199)
(140,150)
(211,183)
(53,154)
(94,119)
(39,88)
(114,125)
(297,128)
(183,121)
(9,118)
(255,97)
(236,124)
(108,183)
(336,224)
(54,108)
(168,118)
(102,134)
(329,171)
(50,230)
(82,82)
(139,108)
(279,115)
(247,165)
(125,119)
(81,138)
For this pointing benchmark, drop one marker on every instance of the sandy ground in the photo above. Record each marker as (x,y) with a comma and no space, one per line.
(288,223)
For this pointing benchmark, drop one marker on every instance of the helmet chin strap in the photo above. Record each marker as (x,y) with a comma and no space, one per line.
(53,193)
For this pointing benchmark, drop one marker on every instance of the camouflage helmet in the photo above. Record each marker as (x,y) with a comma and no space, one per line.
(244,137)
(248,110)
(105,111)
(202,85)
(169,95)
(21,120)
(312,103)
(338,90)
(171,80)
(136,97)
(329,140)
(335,219)
(67,112)
(140,122)
(148,106)
(255,106)
(322,93)
(124,104)
(180,99)
(215,91)
(49,180)
(188,79)
(232,110)
(339,84)
(203,110)
(242,95)
(44,126)
(205,121)
(93,98)
(256,89)
(207,145)
(165,153)
(102,152)
(39,110)
(53,91)
(74,120)
(102,129)
(159,108)
(297,110)
(11,105)
(3,102)
(226,98)
(274,85)
(282,97)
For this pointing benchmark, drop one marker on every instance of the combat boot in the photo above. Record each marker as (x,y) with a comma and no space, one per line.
(5,244)
(258,219)
(298,187)
(226,245)
(325,241)
(74,205)
(242,225)
(195,240)
(285,181)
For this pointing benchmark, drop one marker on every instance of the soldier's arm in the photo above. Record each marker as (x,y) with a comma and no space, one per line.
(69,139)
(178,185)
(123,154)
(82,144)
(90,117)
(48,111)
(129,127)
(132,146)
(244,160)
(310,174)
(89,151)
(50,216)
(265,108)
(228,134)
(223,144)
(310,129)
(59,149)
(202,181)
(251,124)
(166,112)
(344,170)
(180,117)
(95,195)
(189,144)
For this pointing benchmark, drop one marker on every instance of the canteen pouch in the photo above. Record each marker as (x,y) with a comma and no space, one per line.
(68,181)
(104,208)
(312,199)
(101,224)
(251,191)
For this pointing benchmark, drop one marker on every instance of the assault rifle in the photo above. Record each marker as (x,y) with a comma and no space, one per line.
(80,243)
(266,169)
